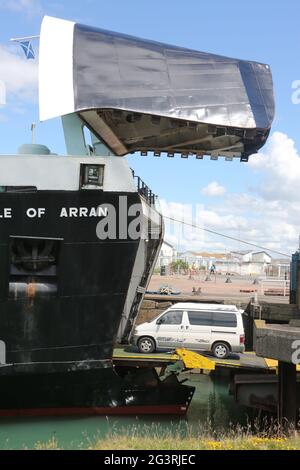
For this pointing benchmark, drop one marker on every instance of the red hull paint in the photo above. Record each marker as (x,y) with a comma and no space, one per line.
(118,410)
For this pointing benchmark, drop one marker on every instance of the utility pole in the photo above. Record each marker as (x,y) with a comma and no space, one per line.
(33,126)
(298,284)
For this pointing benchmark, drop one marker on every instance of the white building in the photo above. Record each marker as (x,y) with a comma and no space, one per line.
(202,260)
(246,263)
(167,254)
(252,262)
(279,268)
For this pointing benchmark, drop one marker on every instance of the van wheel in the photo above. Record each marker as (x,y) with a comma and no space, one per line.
(220,350)
(146,345)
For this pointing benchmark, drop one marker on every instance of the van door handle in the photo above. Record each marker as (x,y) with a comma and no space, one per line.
(187,327)
(182,327)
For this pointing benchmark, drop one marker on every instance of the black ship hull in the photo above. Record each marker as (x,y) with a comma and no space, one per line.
(63,290)
(66,305)
(93,389)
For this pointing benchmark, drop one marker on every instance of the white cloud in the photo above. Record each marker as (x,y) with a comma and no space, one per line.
(213,189)
(257,221)
(279,164)
(267,215)
(189,237)
(29,7)
(19,75)
(2,93)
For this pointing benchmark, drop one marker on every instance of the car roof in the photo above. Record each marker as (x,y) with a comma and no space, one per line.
(202,306)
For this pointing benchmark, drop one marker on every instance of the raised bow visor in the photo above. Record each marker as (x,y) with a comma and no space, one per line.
(141,95)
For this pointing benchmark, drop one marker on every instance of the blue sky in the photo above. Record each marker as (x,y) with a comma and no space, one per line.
(264,31)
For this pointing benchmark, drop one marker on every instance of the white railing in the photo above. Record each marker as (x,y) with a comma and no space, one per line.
(269,283)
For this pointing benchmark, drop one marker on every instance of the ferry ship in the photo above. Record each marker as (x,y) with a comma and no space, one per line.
(80,233)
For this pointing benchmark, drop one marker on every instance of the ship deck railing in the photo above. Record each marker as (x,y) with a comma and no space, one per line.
(144,190)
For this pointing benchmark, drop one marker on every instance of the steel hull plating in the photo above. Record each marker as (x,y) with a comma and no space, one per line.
(92,276)
(63,288)
(95,390)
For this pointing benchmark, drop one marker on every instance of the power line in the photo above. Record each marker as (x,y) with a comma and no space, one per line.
(226,236)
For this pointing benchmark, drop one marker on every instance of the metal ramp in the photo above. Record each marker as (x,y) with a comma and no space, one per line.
(192,360)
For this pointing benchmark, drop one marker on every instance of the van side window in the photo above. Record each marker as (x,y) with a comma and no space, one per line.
(224,319)
(172,318)
(200,318)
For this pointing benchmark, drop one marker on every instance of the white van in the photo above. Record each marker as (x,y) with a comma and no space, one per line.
(199,327)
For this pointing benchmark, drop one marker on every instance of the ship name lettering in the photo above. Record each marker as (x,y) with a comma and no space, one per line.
(32,212)
(6,213)
(84,212)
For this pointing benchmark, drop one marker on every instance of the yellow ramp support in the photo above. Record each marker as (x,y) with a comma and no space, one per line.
(193,360)
(273,364)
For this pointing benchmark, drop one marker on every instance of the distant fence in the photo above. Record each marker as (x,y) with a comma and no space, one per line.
(271,286)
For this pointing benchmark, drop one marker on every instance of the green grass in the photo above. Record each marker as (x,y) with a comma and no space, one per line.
(192,443)
(152,438)
(250,443)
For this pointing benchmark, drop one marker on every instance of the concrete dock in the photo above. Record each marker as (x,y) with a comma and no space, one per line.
(281,342)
